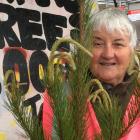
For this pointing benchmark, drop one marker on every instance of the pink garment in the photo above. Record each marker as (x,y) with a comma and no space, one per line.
(92,123)
(47,119)
(134,133)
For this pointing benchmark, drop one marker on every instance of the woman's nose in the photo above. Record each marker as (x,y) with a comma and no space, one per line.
(108,52)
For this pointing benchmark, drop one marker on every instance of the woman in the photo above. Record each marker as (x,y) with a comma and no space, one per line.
(114,42)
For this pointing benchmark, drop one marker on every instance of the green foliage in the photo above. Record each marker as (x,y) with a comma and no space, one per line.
(69,92)
(23,116)
(69,95)
(110,120)
(114,121)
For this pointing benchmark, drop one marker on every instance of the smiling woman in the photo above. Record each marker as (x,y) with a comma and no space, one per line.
(112,104)
(113,51)
(111,55)
(114,40)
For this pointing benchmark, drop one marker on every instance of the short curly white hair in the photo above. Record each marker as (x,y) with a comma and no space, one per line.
(114,19)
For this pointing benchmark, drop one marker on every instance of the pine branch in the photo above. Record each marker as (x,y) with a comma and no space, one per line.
(108,112)
(115,123)
(23,116)
(69,104)
(68,114)
(133,108)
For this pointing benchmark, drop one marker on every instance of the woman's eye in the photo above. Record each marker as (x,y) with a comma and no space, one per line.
(118,44)
(98,44)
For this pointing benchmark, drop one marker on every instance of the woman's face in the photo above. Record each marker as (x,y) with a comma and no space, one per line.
(111,55)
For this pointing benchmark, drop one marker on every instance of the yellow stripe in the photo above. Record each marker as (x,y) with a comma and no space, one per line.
(41,72)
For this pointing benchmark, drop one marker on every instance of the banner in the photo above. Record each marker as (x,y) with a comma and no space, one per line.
(28,28)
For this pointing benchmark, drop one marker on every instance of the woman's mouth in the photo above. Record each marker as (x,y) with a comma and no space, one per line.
(107,64)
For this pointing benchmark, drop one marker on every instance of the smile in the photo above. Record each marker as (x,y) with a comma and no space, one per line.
(107,64)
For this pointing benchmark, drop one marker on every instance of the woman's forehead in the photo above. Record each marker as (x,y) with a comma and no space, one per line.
(110,29)
(103,31)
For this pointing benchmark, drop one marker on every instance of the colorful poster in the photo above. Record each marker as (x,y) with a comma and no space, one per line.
(28,28)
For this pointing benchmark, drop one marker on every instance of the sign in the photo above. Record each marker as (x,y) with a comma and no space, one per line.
(28,28)
(134,15)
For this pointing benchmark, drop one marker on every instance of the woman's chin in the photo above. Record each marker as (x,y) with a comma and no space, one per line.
(110,79)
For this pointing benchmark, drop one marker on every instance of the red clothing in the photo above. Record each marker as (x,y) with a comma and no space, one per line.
(92,123)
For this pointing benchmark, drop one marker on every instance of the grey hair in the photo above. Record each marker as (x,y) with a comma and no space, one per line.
(115,20)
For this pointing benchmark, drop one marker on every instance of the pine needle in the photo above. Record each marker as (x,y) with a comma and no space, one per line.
(23,116)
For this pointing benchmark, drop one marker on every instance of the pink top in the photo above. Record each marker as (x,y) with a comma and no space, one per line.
(93,126)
